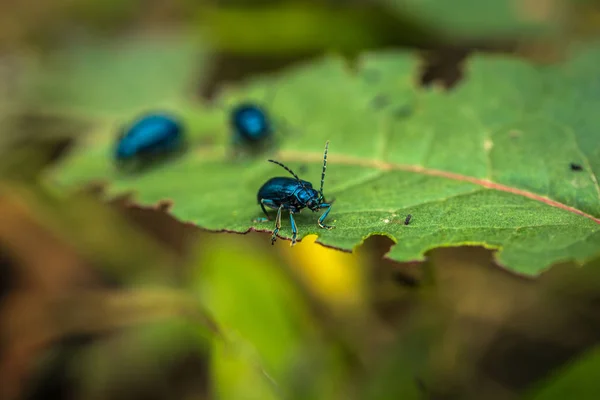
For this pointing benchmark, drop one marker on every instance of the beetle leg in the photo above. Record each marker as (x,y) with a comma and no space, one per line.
(294,228)
(277,225)
(322,217)
(263,219)
(262,205)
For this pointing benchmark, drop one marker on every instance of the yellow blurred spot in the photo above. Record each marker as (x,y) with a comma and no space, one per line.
(332,275)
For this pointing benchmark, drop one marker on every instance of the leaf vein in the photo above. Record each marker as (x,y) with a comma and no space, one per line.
(388,166)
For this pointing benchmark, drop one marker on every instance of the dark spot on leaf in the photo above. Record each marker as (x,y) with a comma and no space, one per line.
(407,220)
(302,169)
(403,112)
(576,167)
(380,101)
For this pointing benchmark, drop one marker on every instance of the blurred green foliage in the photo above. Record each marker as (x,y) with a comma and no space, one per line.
(469,171)
(487,18)
(233,317)
(107,77)
(299,28)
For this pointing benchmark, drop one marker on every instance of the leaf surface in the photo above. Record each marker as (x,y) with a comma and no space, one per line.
(487,163)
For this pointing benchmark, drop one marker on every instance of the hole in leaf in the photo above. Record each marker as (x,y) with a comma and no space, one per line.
(443,65)
(229,67)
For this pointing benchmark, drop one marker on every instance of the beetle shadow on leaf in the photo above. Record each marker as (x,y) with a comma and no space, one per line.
(147,163)
(240,152)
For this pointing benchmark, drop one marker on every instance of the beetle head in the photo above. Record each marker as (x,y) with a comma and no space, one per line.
(314,204)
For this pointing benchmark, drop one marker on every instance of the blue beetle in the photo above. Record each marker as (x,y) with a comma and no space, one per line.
(150,136)
(293,194)
(251,124)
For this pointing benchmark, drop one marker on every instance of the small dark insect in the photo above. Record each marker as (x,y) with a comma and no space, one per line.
(250,123)
(576,167)
(151,135)
(293,195)
(407,220)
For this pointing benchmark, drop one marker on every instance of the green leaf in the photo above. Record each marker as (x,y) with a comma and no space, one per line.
(504,18)
(487,163)
(112,77)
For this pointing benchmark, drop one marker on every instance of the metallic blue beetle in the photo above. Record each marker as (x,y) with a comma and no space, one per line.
(250,124)
(293,194)
(149,136)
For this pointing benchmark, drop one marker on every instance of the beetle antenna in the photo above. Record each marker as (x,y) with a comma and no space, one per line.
(288,170)
(324,167)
